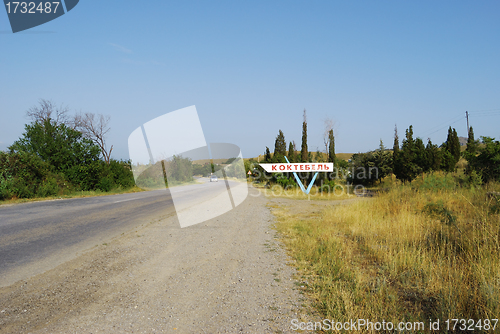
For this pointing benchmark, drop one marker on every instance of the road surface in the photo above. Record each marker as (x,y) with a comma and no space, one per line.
(225,275)
(38,236)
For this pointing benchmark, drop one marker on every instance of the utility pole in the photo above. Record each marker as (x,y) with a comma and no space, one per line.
(467,117)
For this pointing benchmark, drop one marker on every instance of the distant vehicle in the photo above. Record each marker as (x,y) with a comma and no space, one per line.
(214,178)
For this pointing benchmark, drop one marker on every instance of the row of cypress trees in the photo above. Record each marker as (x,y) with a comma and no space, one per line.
(414,158)
(280,150)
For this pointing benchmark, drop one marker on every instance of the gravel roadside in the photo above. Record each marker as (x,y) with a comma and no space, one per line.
(227,275)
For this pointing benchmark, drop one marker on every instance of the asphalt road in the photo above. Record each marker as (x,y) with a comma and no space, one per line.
(38,236)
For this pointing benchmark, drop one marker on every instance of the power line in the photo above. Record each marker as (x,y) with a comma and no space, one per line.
(472,114)
(441,126)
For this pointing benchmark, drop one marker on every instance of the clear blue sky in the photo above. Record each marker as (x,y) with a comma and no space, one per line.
(251,67)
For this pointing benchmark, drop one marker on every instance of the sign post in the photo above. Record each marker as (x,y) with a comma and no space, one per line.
(299,167)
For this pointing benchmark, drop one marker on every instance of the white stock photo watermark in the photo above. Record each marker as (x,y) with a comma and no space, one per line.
(168,154)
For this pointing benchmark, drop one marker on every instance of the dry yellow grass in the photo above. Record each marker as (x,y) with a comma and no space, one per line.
(407,255)
(341,192)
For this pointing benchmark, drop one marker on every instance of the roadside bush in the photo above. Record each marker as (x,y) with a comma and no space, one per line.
(6,185)
(49,187)
(121,172)
(86,177)
(327,187)
(283,181)
(105,184)
(23,175)
(436,181)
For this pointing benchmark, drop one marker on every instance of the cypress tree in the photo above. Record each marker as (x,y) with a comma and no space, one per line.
(455,147)
(303,153)
(396,163)
(331,147)
(471,151)
(267,155)
(280,147)
(451,153)
(291,152)
(408,166)
(421,156)
(433,156)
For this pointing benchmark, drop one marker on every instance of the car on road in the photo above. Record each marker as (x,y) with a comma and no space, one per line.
(213,178)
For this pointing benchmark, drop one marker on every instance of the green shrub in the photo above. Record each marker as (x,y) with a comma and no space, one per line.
(6,185)
(121,172)
(437,181)
(283,181)
(439,211)
(48,188)
(105,184)
(327,186)
(22,175)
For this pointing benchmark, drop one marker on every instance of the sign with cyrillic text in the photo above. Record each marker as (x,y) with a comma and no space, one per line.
(306,167)
(298,167)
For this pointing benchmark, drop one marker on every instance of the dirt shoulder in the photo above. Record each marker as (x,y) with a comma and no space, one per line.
(227,275)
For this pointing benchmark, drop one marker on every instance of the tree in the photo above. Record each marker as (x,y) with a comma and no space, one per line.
(396,155)
(471,150)
(267,155)
(452,145)
(280,147)
(291,152)
(56,144)
(331,147)
(329,126)
(303,153)
(47,110)
(407,158)
(95,128)
(421,157)
(487,162)
(383,161)
(318,156)
(434,156)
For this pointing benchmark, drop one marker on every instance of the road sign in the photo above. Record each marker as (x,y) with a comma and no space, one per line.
(299,167)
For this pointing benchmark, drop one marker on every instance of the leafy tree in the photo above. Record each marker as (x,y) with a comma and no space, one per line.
(179,170)
(367,168)
(487,162)
(303,153)
(60,146)
(331,147)
(280,147)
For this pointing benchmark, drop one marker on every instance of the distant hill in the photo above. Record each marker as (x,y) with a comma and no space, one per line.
(463,141)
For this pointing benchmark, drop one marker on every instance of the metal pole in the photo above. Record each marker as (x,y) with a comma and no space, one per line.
(467,117)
